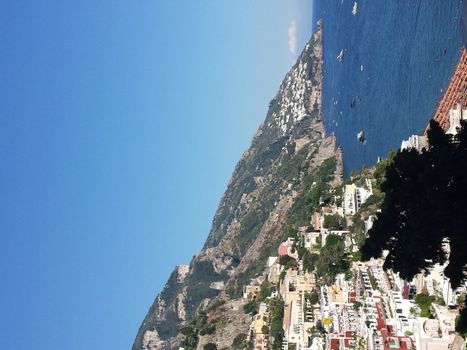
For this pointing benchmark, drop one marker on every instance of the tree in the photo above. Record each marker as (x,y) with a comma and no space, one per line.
(210,346)
(265,290)
(425,207)
(309,261)
(276,306)
(239,341)
(299,245)
(250,307)
(287,261)
(313,297)
(208,329)
(334,222)
(291,232)
(421,200)
(424,301)
(332,258)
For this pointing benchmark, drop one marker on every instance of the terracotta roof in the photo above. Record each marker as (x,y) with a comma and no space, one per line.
(283,249)
(456,92)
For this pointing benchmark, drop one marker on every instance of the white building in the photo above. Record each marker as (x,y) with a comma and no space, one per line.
(355,196)
(437,284)
(415,142)
(455,116)
(431,335)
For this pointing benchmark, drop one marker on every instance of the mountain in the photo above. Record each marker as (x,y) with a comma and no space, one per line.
(270,188)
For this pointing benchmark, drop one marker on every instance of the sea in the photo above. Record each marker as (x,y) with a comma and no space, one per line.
(398,56)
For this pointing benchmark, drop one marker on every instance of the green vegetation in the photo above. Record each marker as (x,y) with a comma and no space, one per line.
(193,329)
(291,231)
(251,307)
(313,297)
(208,329)
(423,196)
(380,169)
(320,328)
(198,283)
(424,302)
(461,320)
(357,229)
(199,327)
(461,325)
(376,199)
(266,289)
(300,248)
(316,192)
(276,307)
(334,222)
(282,275)
(299,215)
(372,279)
(332,258)
(269,249)
(214,304)
(356,256)
(239,342)
(210,346)
(309,261)
(287,261)
(440,301)
(357,305)
(250,225)
(425,201)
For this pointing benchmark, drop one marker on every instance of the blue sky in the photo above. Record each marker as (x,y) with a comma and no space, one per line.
(120,124)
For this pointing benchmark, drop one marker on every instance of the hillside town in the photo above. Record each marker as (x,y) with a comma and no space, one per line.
(363,308)
(358,306)
(315,292)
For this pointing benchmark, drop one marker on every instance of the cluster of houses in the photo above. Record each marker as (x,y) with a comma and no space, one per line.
(366,309)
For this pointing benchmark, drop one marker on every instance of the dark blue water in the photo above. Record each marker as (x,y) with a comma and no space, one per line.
(408,50)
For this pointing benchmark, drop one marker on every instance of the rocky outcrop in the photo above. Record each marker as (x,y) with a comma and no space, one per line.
(151,340)
(231,320)
(288,148)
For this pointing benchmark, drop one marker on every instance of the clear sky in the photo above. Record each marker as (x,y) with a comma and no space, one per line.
(120,124)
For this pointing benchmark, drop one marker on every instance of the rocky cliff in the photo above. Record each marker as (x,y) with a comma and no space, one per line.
(268,189)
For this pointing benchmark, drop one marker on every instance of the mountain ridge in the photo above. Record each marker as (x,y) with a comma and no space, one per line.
(288,148)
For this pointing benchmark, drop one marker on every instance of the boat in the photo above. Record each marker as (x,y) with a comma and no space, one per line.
(354,102)
(361,136)
(340,56)
(361,68)
(354,9)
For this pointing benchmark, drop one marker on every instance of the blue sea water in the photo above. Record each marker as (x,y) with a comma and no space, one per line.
(398,58)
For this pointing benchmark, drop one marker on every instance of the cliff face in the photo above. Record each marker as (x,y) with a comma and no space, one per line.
(270,176)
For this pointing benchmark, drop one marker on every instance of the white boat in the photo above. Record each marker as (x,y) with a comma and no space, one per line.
(340,56)
(354,10)
(361,136)
(361,68)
